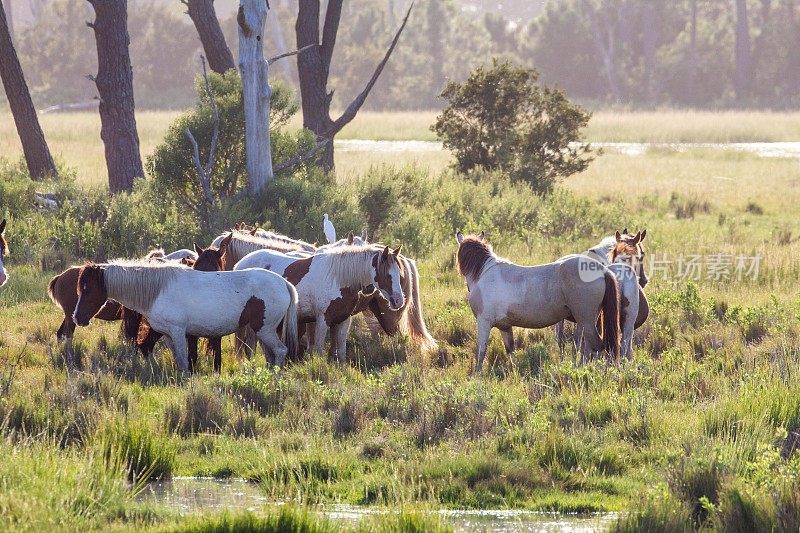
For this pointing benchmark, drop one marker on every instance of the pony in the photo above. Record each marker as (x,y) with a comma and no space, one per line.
(208,260)
(242,243)
(333,286)
(504,295)
(63,292)
(622,248)
(179,301)
(3,253)
(158,254)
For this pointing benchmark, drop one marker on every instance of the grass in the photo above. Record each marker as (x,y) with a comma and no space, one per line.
(75,137)
(694,430)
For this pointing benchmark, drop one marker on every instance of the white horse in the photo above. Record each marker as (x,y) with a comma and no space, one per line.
(3,252)
(504,295)
(625,249)
(332,286)
(179,301)
(158,254)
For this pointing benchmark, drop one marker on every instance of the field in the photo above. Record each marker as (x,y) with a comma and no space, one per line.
(699,429)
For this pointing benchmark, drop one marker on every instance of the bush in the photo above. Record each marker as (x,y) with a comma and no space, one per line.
(500,119)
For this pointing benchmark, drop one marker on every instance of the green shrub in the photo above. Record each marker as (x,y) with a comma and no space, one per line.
(500,119)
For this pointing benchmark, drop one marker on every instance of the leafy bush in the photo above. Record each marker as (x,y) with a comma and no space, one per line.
(500,119)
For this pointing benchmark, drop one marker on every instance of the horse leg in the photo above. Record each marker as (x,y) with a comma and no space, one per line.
(320,328)
(191,341)
(508,339)
(216,347)
(590,340)
(65,333)
(339,334)
(244,342)
(271,344)
(561,339)
(484,329)
(180,349)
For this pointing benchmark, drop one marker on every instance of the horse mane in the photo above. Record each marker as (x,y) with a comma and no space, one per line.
(412,322)
(350,265)
(472,256)
(623,247)
(271,235)
(604,247)
(243,243)
(139,281)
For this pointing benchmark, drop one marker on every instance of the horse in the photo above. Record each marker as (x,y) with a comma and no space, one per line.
(158,254)
(3,253)
(504,295)
(630,302)
(332,286)
(622,248)
(63,292)
(208,260)
(179,301)
(242,243)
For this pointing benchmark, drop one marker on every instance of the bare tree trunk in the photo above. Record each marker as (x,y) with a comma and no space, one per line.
(744,60)
(649,40)
(692,66)
(9,17)
(115,84)
(314,68)
(605,42)
(256,92)
(204,17)
(37,154)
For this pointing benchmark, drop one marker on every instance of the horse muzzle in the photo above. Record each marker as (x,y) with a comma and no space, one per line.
(396,302)
(80,321)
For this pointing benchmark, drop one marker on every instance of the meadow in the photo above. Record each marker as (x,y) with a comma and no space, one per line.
(699,430)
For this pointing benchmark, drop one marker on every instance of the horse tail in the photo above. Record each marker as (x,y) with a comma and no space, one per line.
(51,290)
(414,322)
(611,315)
(289,334)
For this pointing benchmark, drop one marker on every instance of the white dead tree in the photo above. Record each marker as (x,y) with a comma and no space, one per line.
(204,171)
(256,92)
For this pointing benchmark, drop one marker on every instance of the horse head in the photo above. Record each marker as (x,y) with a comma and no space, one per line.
(92,293)
(629,249)
(212,259)
(387,272)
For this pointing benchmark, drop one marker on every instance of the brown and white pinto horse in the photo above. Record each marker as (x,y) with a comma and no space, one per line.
(3,253)
(334,285)
(504,295)
(208,260)
(179,301)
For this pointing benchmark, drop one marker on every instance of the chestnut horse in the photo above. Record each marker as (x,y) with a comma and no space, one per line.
(504,295)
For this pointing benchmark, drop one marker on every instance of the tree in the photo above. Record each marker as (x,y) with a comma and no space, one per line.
(256,91)
(114,82)
(37,154)
(743,77)
(204,17)
(500,119)
(314,67)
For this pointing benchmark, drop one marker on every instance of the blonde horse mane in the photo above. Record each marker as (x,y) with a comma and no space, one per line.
(412,322)
(139,281)
(243,243)
(351,265)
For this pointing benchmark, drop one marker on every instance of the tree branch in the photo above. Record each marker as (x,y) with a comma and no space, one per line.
(350,113)
(271,60)
(299,158)
(204,172)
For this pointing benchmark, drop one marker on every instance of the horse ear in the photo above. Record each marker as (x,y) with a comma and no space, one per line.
(459,236)
(2,226)
(617,235)
(396,251)
(481,235)
(644,234)
(349,237)
(197,249)
(625,231)
(637,238)
(364,235)
(385,253)
(223,246)
(253,231)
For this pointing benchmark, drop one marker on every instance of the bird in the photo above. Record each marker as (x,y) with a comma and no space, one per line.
(330,231)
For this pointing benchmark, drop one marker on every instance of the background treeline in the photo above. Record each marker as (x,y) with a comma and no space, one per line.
(635,53)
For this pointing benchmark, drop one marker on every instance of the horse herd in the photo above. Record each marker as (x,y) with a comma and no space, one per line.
(286,295)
